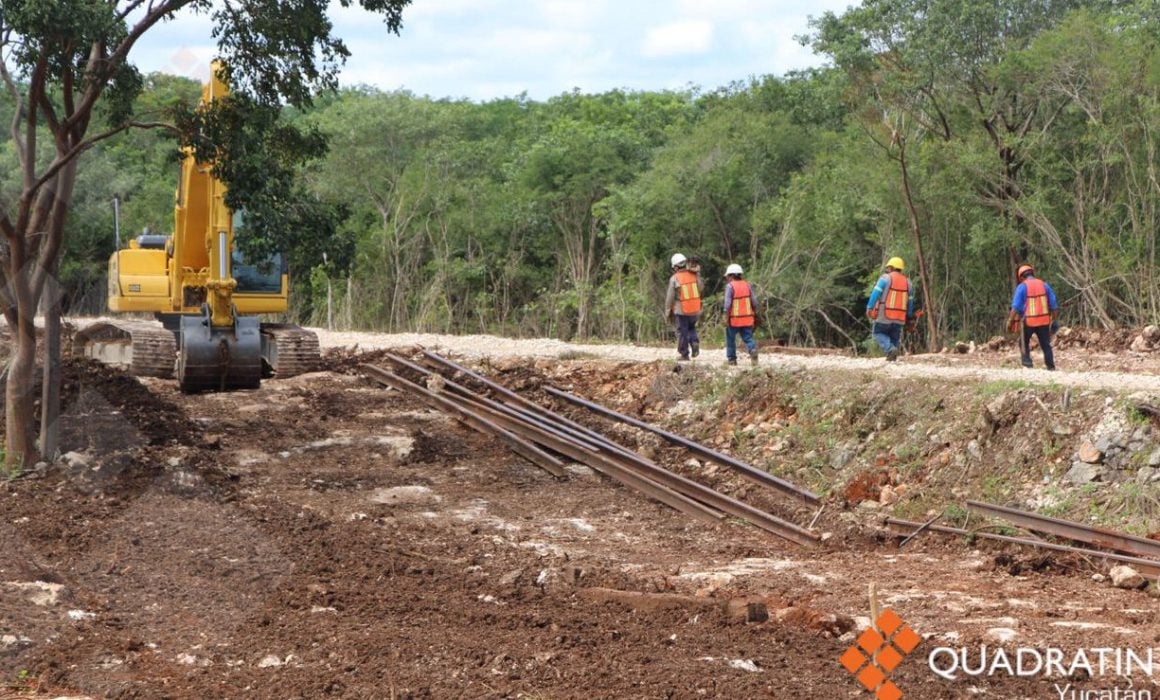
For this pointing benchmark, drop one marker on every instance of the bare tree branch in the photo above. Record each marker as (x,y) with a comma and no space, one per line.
(85,145)
(36,86)
(98,66)
(54,231)
(6,226)
(128,9)
(18,108)
(46,108)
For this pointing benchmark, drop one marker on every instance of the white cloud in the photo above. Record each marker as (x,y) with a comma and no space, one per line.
(484,49)
(525,42)
(572,14)
(724,9)
(427,9)
(677,39)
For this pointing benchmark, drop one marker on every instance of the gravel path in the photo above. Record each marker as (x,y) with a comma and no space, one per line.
(1145,376)
(916,367)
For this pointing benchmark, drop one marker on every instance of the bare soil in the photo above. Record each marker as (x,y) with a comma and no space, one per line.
(325,537)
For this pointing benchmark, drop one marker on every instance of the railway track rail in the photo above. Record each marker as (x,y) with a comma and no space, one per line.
(1095,536)
(543,437)
(1147,567)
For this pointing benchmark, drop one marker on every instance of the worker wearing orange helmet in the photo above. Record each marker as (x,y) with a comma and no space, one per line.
(1034,304)
(891,307)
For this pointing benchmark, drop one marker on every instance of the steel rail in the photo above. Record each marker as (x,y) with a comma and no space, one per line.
(541,420)
(746,470)
(1097,536)
(1144,566)
(525,449)
(590,436)
(510,397)
(601,463)
(582,452)
(682,485)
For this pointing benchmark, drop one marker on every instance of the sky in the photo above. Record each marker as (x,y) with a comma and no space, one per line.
(487,49)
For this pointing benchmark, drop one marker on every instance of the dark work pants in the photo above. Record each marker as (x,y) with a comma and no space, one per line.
(1044,335)
(686,333)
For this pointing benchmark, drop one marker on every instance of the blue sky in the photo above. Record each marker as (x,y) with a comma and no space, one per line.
(486,49)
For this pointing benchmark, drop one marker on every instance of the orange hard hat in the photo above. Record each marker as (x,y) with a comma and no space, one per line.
(1023,270)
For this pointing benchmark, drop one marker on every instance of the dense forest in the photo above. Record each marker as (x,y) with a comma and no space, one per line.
(964,136)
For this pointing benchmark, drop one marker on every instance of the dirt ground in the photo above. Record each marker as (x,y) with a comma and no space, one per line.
(326,537)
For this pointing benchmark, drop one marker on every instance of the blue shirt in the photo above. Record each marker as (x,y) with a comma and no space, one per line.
(880,289)
(1019,301)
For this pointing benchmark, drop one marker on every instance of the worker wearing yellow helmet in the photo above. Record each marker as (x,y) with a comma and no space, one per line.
(890,307)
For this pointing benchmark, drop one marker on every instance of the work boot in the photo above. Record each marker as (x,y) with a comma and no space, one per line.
(892,355)
(683,358)
(732,361)
(753,357)
(696,348)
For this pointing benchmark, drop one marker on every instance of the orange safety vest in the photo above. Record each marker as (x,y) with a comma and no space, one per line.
(741,310)
(897,301)
(688,293)
(1037,312)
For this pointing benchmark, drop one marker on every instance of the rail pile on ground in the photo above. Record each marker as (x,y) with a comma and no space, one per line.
(545,438)
(1138,552)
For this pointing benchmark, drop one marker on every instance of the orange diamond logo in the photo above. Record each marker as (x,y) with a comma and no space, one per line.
(889,622)
(852,659)
(888,691)
(889,658)
(871,677)
(906,639)
(870,640)
(878,651)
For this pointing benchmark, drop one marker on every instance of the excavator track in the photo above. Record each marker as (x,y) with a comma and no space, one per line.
(289,350)
(143,348)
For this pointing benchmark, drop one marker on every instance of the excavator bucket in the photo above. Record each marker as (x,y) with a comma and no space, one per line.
(219,359)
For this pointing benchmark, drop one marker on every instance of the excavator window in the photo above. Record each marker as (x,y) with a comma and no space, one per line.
(262,277)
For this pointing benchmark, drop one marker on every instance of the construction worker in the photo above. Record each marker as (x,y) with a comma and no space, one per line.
(890,307)
(1034,304)
(683,305)
(740,314)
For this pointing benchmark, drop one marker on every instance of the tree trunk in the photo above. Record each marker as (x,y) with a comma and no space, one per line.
(50,383)
(932,340)
(19,394)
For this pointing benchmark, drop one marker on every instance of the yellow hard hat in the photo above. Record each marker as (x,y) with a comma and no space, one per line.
(896,263)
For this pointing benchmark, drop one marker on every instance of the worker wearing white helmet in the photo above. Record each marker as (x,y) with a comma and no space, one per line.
(740,314)
(683,304)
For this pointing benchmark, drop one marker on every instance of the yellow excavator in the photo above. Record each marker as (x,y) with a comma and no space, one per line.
(204,292)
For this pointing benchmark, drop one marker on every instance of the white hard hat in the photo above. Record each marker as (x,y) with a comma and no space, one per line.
(678,259)
(734,269)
